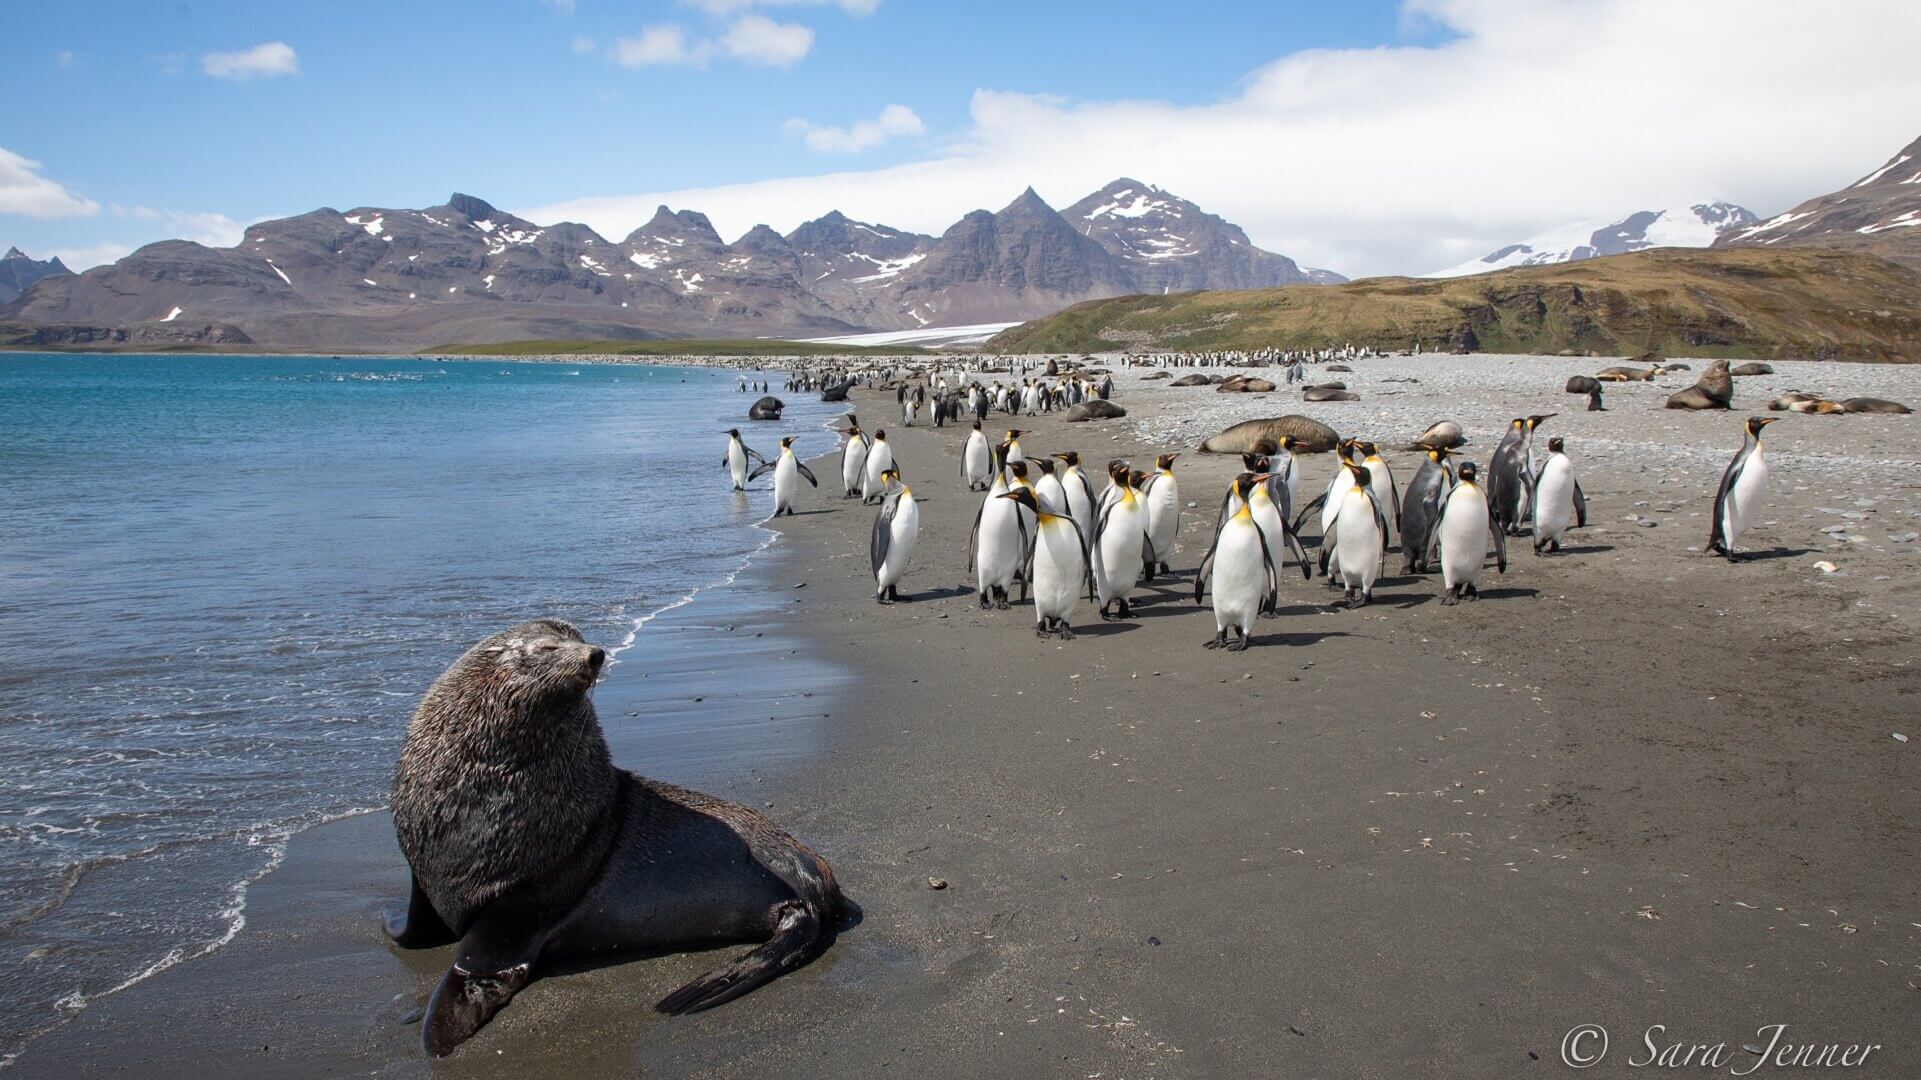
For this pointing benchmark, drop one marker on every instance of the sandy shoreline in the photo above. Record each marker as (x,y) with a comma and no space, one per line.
(1634,786)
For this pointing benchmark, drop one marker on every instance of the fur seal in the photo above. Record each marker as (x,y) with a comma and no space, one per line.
(1817,407)
(1310,436)
(1626,374)
(1444,435)
(767,408)
(1195,379)
(1753,369)
(1152,375)
(1713,390)
(1327,393)
(1244,384)
(526,844)
(1582,384)
(1875,405)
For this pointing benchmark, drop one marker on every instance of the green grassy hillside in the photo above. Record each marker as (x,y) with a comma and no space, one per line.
(1734,302)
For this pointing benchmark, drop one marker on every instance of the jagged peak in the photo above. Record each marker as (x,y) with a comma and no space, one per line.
(15,253)
(1029,200)
(471,206)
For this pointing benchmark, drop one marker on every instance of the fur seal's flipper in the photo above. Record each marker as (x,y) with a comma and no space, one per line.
(496,962)
(796,940)
(415,924)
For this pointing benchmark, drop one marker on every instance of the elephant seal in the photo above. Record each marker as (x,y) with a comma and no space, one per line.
(1789,400)
(527,845)
(1339,367)
(767,408)
(1752,369)
(1582,384)
(1875,405)
(1310,436)
(836,391)
(1093,409)
(1445,435)
(1326,386)
(1325,393)
(1152,375)
(1244,384)
(1196,379)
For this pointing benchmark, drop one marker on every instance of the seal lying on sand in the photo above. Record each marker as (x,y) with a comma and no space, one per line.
(526,844)
(1755,368)
(1094,409)
(1310,436)
(1875,405)
(1626,374)
(1328,393)
(1444,435)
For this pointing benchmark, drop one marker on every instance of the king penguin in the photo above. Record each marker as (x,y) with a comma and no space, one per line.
(1468,529)
(1056,561)
(738,457)
(1163,494)
(1559,504)
(853,460)
(787,470)
(1421,510)
(1080,494)
(1745,483)
(1360,538)
(1239,570)
(997,542)
(1119,532)
(977,460)
(895,530)
(880,458)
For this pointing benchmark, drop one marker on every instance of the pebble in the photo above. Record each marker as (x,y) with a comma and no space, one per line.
(1647,523)
(1826,567)
(936,884)
(1898,737)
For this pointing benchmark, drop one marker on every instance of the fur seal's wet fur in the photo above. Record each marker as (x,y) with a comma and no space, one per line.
(526,844)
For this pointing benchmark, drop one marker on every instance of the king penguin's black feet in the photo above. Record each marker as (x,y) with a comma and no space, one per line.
(1450,598)
(1062,630)
(1217,641)
(1240,643)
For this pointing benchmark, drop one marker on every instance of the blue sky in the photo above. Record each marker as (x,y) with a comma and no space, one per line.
(596,108)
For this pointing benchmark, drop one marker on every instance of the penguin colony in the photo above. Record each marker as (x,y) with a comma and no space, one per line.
(1042,527)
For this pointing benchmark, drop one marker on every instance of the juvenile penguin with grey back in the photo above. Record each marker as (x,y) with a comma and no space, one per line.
(527,845)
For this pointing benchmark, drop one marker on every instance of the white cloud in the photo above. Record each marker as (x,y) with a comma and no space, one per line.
(565,7)
(263,61)
(757,39)
(730,7)
(202,227)
(752,39)
(665,45)
(24,191)
(893,122)
(1409,158)
(90,255)
(64,58)
(583,44)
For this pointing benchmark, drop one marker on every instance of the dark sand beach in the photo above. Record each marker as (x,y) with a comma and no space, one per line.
(1632,786)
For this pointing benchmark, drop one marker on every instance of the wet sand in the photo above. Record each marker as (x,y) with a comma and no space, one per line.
(1631,786)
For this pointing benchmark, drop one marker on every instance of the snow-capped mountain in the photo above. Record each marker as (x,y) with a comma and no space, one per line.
(17,271)
(1682,226)
(1170,245)
(464,271)
(1879,213)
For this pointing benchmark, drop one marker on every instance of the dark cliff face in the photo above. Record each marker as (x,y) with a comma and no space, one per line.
(373,277)
(1879,213)
(17,271)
